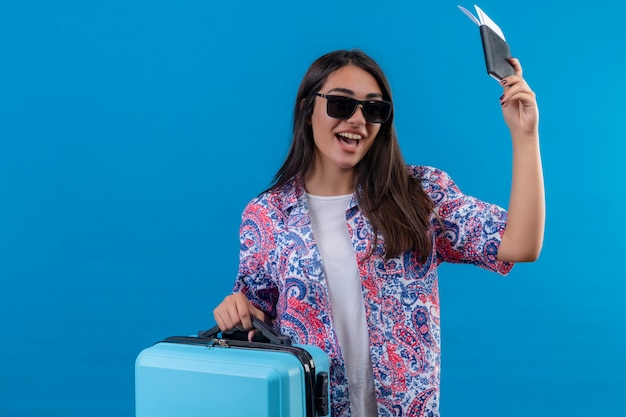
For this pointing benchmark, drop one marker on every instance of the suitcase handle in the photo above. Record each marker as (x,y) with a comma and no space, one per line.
(265,334)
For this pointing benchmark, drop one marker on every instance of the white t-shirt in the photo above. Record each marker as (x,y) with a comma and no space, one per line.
(328,220)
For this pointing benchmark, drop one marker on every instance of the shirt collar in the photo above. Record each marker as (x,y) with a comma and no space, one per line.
(294,195)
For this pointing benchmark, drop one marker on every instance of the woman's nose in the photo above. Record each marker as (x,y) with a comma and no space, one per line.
(358,117)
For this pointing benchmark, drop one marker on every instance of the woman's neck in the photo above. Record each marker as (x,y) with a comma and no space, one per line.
(327,183)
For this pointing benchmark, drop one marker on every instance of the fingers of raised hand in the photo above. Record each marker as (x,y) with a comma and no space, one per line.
(517,90)
(515,87)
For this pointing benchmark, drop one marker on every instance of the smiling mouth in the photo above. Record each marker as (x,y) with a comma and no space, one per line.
(349,138)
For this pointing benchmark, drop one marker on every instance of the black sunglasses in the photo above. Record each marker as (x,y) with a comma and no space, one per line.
(342,107)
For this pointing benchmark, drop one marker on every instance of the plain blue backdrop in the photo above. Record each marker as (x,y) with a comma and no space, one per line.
(132,134)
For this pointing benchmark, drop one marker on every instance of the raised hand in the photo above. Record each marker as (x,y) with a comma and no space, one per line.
(519,104)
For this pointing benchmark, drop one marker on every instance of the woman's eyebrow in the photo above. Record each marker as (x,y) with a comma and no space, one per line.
(350,92)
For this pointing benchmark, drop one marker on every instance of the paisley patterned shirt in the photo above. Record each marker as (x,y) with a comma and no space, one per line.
(281,272)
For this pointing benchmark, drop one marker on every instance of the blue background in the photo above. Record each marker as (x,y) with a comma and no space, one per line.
(132,134)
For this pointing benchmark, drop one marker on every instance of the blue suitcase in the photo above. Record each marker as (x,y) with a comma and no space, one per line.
(217,374)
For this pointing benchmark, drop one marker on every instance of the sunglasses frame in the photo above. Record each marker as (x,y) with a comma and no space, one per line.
(362,103)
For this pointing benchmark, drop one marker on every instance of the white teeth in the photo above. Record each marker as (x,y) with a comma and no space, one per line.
(352,136)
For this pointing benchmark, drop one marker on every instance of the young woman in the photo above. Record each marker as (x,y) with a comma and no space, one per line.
(342,251)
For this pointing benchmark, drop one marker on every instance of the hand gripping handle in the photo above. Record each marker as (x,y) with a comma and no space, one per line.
(265,334)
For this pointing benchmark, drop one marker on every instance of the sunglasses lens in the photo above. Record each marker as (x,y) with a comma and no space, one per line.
(377,111)
(340,107)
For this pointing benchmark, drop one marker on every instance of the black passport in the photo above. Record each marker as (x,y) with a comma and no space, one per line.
(497,54)
(495,47)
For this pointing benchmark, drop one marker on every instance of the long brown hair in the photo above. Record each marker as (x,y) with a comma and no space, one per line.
(392,200)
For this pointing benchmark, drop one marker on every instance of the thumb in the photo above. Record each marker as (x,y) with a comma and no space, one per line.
(259,314)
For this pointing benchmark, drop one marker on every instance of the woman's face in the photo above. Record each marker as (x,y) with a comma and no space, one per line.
(341,144)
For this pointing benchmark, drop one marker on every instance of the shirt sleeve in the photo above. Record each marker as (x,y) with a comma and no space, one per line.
(256,239)
(468,230)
